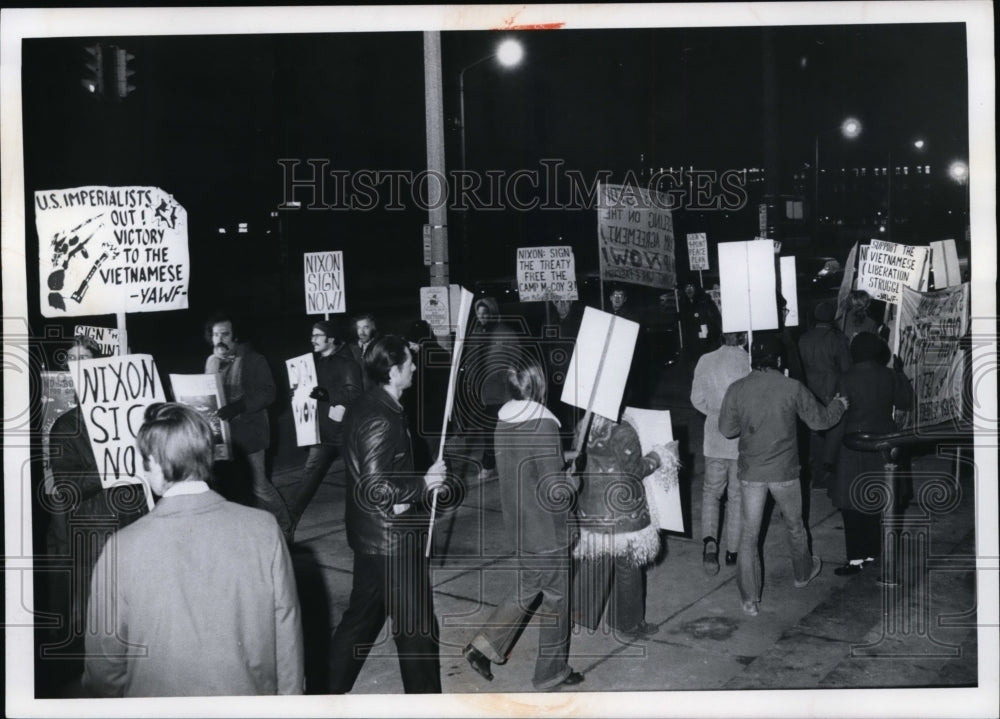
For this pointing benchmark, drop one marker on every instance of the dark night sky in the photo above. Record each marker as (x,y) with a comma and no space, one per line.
(212,114)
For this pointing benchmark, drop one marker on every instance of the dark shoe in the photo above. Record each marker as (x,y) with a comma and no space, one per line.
(816,569)
(640,631)
(478,661)
(848,570)
(730,559)
(710,557)
(572,680)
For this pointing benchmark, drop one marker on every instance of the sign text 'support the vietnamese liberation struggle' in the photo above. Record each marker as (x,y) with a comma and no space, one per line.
(106,250)
(324,282)
(546,273)
(885,268)
(635,235)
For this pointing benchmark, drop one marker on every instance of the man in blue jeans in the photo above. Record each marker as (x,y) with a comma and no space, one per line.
(338,384)
(761,409)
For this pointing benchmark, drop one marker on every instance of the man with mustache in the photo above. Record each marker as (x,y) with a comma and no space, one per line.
(249,390)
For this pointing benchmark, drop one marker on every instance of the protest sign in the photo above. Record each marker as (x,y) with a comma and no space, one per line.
(546,273)
(604,345)
(324,282)
(789,290)
(664,498)
(58,397)
(698,250)
(747,285)
(635,232)
(107,250)
(931,325)
(885,268)
(944,264)
(107,338)
(435,308)
(301,380)
(114,393)
(204,393)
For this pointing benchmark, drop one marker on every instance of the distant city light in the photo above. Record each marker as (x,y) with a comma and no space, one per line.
(510,52)
(222,230)
(919,144)
(242,228)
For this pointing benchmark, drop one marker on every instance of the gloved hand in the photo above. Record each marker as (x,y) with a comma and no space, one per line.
(320,394)
(231,410)
(897,363)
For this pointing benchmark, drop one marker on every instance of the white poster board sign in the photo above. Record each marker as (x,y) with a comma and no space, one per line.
(114,393)
(789,290)
(301,379)
(885,268)
(593,343)
(435,308)
(944,262)
(654,429)
(106,250)
(635,236)
(204,393)
(747,285)
(107,338)
(698,250)
(324,282)
(546,273)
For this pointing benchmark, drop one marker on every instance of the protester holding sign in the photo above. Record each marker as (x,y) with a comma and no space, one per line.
(385,526)
(249,390)
(856,318)
(536,497)
(874,389)
(83,515)
(202,598)
(761,409)
(617,538)
(338,385)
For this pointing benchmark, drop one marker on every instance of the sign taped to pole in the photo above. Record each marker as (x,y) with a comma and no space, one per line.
(635,236)
(323,279)
(885,268)
(748,286)
(546,273)
(581,374)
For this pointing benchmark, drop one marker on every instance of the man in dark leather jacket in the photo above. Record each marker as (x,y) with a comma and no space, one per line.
(386,530)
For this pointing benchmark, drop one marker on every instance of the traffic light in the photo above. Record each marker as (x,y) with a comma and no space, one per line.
(93,79)
(123,88)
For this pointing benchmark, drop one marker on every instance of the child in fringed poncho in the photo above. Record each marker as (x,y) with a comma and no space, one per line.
(617,538)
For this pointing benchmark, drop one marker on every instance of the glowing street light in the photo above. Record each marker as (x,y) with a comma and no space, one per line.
(959,172)
(850,128)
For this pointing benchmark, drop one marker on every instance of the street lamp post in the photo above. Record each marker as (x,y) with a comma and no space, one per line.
(917,144)
(849,128)
(508,54)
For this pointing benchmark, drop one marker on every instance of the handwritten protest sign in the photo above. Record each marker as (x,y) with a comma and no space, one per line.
(324,282)
(635,232)
(582,372)
(114,393)
(58,397)
(435,310)
(885,268)
(107,338)
(546,273)
(698,250)
(747,283)
(105,250)
(302,379)
(654,429)
(931,324)
(204,393)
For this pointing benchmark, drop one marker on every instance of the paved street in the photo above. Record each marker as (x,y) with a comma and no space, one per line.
(835,633)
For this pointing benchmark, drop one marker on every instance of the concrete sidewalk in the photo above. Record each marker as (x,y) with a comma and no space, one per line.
(834,633)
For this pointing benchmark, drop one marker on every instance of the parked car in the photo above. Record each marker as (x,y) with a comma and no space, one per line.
(819,273)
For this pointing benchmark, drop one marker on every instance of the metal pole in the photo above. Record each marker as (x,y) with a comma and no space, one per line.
(437,216)
(888,199)
(816,189)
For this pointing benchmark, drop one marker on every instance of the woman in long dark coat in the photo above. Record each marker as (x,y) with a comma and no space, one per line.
(858,488)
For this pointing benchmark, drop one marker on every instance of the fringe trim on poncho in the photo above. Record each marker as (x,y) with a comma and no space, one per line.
(639,548)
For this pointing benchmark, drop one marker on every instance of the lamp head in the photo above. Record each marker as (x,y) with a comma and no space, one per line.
(509,52)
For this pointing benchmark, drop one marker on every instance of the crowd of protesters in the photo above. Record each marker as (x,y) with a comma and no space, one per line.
(220,612)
